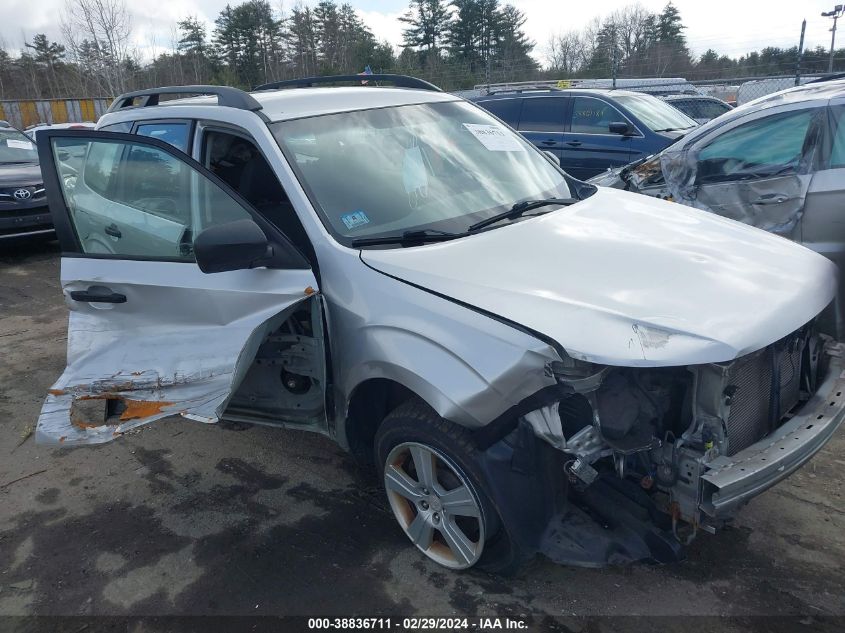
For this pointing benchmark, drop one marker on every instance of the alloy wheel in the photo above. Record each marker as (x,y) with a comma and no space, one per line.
(435,504)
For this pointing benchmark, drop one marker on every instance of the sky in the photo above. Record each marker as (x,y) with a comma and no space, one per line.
(731,27)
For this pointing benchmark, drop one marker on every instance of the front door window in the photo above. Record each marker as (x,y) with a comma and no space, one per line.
(138,200)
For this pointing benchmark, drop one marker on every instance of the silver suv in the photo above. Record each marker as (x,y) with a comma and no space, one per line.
(533,364)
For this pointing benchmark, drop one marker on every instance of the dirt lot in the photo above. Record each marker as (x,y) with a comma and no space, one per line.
(185,518)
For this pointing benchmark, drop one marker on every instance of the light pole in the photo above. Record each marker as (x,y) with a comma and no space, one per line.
(835,14)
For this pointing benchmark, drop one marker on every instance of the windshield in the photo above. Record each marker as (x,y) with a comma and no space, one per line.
(15,147)
(656,114)
(436,166)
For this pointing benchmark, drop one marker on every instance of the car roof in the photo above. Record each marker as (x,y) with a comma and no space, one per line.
(559,92)
(821,91)
(295,103)
(678,97)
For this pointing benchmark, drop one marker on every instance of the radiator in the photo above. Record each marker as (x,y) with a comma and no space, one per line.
(751,407)
(748,420)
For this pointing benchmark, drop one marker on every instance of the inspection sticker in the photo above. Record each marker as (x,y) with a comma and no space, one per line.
(18,144)
(495,138)
(355,219)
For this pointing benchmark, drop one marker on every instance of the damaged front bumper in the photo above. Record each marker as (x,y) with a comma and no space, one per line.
(731,481)
(750,423)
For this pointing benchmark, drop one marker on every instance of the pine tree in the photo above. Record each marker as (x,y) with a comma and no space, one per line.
(513,46)
(462,37)
(302,41)
(46,52)
(670,27)
(428,23)
(193,47)
(193,36)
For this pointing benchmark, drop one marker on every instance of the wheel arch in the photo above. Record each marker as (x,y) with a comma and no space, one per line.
(368,405)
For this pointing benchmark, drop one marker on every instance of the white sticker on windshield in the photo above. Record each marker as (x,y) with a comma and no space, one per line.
(495,138)
(18,144)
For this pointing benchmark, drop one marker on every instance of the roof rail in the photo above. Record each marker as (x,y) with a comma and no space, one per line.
(401,81)
(226,96)
(824,78)
(498,91)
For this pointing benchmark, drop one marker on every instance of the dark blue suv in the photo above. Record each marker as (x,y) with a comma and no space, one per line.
(590,130)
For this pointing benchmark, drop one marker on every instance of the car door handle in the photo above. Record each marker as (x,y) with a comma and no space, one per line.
(773,198)
(573,143)
(112,230)
(549,142)
(95,297)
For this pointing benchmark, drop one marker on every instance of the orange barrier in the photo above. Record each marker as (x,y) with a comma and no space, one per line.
(25,113)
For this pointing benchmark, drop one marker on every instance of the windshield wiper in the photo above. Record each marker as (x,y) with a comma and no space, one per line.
(419,236)
(518,209)
(675,129)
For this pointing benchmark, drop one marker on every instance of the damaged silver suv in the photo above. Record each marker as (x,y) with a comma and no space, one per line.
(533,364)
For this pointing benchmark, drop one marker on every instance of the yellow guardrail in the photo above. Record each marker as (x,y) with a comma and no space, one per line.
(24,113)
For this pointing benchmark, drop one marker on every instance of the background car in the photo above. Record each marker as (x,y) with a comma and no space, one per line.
(700,108)
(590,130)
(777,163)
(32,132)
(23,203)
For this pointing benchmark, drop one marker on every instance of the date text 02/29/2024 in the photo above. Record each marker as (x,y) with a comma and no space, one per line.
(418,624)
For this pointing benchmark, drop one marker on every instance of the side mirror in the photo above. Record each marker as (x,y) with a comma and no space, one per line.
(234,245)
(620,127)
(552,158)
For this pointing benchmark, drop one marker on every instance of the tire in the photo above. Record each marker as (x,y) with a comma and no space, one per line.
(413,432)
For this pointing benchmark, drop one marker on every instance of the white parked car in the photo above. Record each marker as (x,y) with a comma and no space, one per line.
(534,364)
(32,132)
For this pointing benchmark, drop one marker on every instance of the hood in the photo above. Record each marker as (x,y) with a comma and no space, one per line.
(20,175)
(624,279)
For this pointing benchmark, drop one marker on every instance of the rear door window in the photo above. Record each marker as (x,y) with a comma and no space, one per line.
(506,109)
(177,133)
(542,114)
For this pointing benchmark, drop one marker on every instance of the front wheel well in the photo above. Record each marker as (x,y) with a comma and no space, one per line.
(369,405)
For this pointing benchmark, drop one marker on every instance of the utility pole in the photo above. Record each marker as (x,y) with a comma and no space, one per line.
(835,14)
(800,54)
(613,54)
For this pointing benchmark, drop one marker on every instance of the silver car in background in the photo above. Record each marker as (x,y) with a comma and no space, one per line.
(777,163)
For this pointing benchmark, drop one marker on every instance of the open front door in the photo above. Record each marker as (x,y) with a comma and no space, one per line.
(150,335)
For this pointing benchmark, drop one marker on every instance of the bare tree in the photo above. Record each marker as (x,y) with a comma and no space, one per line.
(563,53)
(632,27)
(589,41)
(97,33)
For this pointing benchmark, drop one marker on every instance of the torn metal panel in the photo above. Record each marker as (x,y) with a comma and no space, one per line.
(757,195)
(546,425)
(773,204)
(179,345)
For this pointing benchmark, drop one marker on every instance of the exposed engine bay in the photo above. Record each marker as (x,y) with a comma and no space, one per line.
(662,429)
